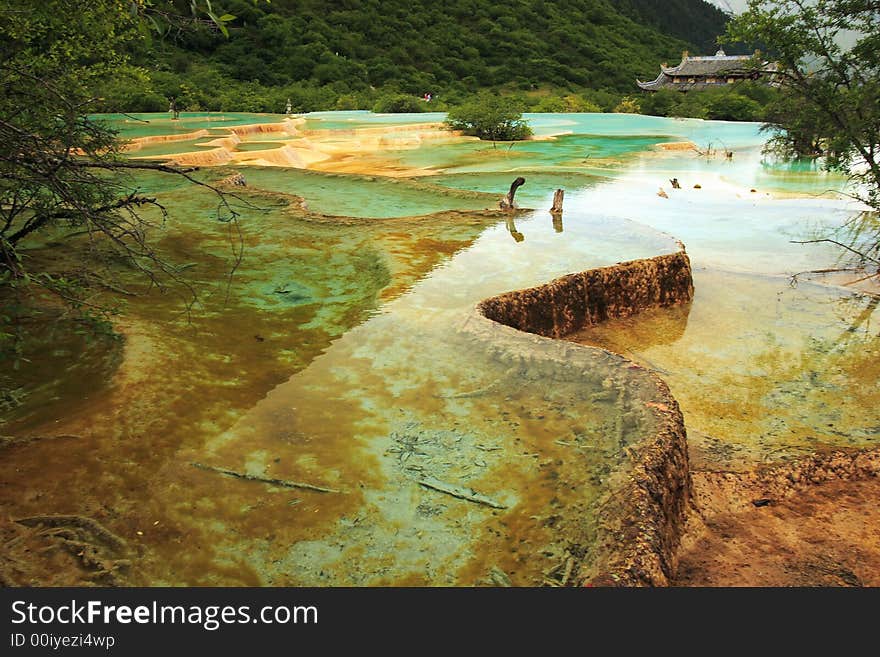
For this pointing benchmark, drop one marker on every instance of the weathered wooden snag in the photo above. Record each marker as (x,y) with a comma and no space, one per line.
(557,201)
(507,202)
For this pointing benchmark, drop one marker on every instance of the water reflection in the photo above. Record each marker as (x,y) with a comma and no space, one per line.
(556,220)
(761,369)
(332,387)
(514,233)
(410,396)
(860,236)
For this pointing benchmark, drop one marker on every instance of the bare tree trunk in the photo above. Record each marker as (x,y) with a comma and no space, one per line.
(557,201)
(507,202)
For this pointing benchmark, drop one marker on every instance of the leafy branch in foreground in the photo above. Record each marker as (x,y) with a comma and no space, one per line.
(63,180)
(165,21)
(831,101)
(829,106)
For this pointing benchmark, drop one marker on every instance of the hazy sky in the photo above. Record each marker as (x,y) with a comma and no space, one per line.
(729,5)
(845,39)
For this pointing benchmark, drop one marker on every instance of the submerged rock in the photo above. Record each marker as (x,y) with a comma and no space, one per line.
(235,180)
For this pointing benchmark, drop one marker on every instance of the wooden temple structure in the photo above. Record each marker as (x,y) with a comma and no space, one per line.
(705,72)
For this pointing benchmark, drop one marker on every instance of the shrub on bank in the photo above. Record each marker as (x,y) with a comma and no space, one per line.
(399,104)
(490,116)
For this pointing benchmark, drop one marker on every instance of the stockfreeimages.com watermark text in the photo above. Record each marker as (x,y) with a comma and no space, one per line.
(209,617)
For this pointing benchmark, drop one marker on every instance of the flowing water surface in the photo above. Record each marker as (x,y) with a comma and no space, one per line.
(338,353)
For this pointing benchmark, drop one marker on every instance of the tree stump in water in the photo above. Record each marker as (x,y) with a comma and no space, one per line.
(557,202)
(556,210)
(507,202)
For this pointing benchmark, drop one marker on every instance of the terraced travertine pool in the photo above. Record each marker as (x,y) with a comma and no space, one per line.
(338,355)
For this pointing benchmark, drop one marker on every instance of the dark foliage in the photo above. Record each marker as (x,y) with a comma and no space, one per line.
(490,116)
(330,50)
(697,22)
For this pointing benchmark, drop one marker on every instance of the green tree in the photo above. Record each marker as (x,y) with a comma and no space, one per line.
(50,152)
(398,104)
(574,103)
(660,103)
(551,104)
(490,116)
(628,105)
(830,103)
(418,46)
(731,106)
(61,173)
(569,103)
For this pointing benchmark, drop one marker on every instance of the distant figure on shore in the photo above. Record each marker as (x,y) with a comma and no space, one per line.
(172,107)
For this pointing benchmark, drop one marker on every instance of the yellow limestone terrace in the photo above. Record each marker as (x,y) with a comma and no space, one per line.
(640,519)
(572,302)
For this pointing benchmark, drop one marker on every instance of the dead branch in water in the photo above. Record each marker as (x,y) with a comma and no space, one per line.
(841,245)
(460,492)
(102,556)
(264,480)
(134,118)
(507,201)
(81,522)
(794,278)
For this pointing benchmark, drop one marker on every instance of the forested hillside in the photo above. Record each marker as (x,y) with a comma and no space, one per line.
(348,52)
(697,22)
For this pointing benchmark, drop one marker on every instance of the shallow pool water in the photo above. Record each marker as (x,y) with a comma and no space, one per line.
(338,354)
(160,149)
(257,146)
(367,196)
(131,126)
(762,369)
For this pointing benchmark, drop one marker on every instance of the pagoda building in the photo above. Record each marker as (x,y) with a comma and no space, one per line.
(705,72)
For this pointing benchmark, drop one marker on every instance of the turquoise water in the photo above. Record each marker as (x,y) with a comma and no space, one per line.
(533,194)
(363,119)
(159,149)
(588,144)
(146,125)
(723,133)
(257,146)
(565,152)
(366,196)
(343,352)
